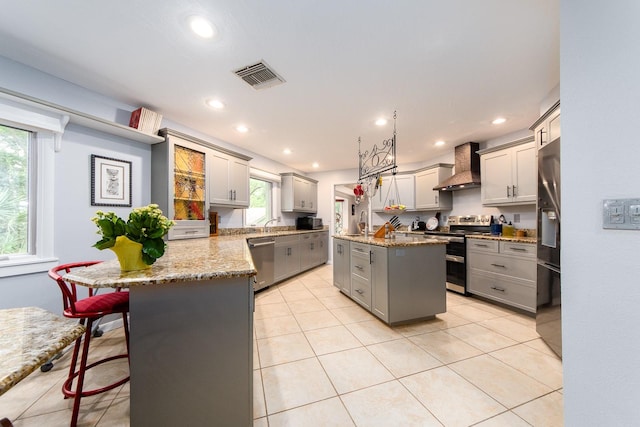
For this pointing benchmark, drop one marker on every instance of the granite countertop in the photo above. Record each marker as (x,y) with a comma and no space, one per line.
(29,337)
(530,240)
(209,258)
(404,241)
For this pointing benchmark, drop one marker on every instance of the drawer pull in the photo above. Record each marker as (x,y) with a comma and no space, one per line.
(499,265)
(359,249)
(360,291)
(497,289)
(518,249)
(481,246)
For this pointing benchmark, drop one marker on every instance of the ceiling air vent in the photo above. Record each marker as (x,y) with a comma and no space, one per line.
(259,76)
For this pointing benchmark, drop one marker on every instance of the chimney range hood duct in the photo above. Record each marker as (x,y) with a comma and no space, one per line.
(467,169)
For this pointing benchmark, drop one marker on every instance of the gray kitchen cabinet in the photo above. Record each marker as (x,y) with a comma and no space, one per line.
(313,249)
(547,127)
(396,283)
(287,257)
(228,179)
(179,183)
(380,282)
(402,191)
(342,265)
(503,271)
(299,193)
(509,174)
(425,179)
(361,274)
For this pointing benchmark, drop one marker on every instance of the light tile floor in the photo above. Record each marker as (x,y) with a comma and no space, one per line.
(322,360)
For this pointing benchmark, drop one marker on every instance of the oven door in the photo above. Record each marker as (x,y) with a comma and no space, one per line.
(456,267)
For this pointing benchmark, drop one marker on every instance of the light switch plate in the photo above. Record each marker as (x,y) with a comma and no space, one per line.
(621,214)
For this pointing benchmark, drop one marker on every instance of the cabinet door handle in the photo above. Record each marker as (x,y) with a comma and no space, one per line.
(542,131)
(230,194)
(514,191)
(499,265)
(436,198)
(508,193)
(359,267)
(360,291)
(234,194)
(495,288)
(288,251)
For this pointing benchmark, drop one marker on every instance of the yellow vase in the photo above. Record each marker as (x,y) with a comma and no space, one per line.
(129,254)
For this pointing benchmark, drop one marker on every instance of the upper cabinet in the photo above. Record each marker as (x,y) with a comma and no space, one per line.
(426,197)
(398,189)
(547,127)
(228,180)
(509,173)
(299,193)
(179,184)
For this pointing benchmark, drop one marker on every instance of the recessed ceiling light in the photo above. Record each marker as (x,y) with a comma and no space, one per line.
(499,121)
(315,165)
(214,103)
(381,122)
(202,27)
(242,129)
(286,151)
(439,143)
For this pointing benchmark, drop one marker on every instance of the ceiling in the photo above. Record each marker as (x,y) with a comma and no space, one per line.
(447,67)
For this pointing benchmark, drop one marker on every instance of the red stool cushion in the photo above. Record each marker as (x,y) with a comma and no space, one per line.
(111,302)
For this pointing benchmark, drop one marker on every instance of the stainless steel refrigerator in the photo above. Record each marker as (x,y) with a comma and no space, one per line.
(549,316)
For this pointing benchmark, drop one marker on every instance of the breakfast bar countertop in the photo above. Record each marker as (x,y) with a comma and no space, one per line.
(29,337)
(184,261)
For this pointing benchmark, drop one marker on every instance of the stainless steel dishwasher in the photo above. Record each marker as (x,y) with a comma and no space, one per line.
(262,251)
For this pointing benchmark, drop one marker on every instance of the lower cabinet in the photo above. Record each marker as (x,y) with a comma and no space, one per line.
(397,284)
(287,257)
(299,252)
(503,271)
(342,265)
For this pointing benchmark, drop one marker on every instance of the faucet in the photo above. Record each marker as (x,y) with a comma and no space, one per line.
(366,226)
(265,229)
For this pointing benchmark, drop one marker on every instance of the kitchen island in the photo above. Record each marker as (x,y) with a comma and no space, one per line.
(191,315)
(400,280)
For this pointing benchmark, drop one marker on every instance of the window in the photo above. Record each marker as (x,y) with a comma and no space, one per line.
(260,202)
(15,166)
(28,137)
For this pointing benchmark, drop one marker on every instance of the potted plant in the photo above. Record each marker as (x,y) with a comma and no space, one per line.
(139,241)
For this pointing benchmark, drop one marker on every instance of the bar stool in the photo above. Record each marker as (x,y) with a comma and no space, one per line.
(88,310)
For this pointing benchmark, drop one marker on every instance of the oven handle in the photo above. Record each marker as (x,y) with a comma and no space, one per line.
(454,258)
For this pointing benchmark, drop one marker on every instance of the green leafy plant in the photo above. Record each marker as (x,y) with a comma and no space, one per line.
(146,225)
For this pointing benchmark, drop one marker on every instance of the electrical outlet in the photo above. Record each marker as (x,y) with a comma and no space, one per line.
(516,218)
(621,214)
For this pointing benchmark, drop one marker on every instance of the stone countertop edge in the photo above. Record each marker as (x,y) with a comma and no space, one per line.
(188,260)
(530,240)
(391,243)
(29,337)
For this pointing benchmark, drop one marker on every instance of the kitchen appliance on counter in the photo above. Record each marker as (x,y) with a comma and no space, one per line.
(263,253)
(548,314)
(459,228)
(309,223)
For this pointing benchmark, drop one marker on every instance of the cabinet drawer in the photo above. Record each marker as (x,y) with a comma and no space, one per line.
(360,264)
(188,232)
(518,268)
(361,291)
(287,240)
(520,249)
(503,290)
(481,245)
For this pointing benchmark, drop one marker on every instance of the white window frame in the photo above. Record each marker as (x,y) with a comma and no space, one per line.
(47,128)
(275,181)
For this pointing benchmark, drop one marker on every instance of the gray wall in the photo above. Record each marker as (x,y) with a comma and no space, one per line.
(600,69)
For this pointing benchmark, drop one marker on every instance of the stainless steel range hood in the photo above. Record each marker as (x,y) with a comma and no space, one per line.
(467,169)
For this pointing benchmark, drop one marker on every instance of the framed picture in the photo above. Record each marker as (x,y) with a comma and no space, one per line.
(110,181)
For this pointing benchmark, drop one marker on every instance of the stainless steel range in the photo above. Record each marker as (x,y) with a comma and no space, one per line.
(459,228)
